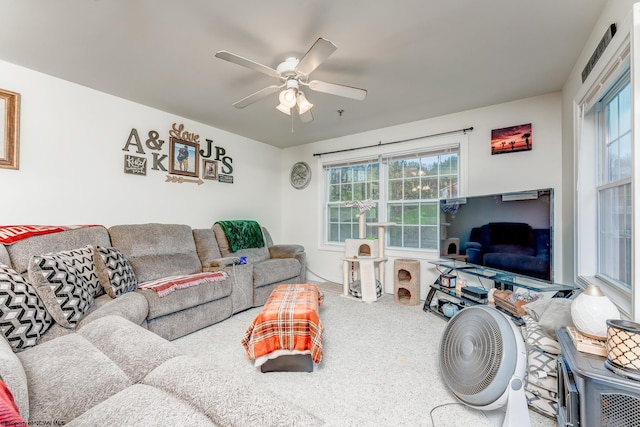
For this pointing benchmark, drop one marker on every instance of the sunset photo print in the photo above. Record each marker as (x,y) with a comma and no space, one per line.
(511,139)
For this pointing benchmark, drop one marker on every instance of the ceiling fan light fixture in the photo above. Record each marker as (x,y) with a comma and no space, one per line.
(284,109)
(288,98)
(303,103)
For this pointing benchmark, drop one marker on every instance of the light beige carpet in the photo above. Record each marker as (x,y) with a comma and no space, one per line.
(380,366)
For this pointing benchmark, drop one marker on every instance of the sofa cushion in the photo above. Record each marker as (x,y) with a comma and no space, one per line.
(275,270)
(133,349)
(67,376)
(23,316)
(12,373)
(131,306)
(4,256)
(114,271)
(180,323)
(143,405)
(232,401)
(210,290)
(206,246)
(22,251)
(66,282)
(157,250)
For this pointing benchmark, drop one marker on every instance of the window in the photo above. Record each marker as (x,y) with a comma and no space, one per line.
(414,187)
(605,179)
(614,186)
(405,189)
(347,183)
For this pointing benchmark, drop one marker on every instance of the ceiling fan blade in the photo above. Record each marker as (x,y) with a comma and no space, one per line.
(340,90)
(236,59)
(306,117)
(320,51)
(257,96)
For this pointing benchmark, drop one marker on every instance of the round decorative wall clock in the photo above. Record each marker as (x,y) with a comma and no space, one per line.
(300,175)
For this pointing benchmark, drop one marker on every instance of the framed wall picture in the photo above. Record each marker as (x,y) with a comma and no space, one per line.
(135,165)
(511,139)
(209,169)
(9,129)
(183,157)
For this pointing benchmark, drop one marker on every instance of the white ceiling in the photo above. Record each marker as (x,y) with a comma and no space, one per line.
(417,58)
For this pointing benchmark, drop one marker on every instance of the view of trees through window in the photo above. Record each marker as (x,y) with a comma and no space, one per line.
(415,186)
(410,199)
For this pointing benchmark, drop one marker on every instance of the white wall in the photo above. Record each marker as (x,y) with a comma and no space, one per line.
(538,168)
(71,164)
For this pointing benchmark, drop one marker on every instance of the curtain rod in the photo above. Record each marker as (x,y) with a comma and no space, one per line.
(380,144)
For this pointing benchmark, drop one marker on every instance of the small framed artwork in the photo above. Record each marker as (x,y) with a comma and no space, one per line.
(511,139)
(209,169)
(135,165)
(9,129)
(183,157)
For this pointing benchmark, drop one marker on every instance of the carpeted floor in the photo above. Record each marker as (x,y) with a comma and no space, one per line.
(380,366)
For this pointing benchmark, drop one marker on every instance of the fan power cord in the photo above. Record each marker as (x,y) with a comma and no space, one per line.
(317,275)
(441,406)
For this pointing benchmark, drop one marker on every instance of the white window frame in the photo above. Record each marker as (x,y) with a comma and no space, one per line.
(414,146)
(620,56)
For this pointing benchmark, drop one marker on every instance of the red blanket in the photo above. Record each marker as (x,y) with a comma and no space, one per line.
(167,285)
(12,233)
(289,320)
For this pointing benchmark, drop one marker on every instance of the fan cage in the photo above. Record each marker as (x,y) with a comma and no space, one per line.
(478,356)
(470,374)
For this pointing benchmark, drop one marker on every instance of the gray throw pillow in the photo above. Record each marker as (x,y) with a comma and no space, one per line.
(23,316)
(556,316)
(536,308)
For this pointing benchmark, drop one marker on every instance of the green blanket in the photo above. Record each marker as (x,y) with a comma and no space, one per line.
(242,234)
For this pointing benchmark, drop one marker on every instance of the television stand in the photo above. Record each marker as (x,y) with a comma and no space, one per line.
(501,281)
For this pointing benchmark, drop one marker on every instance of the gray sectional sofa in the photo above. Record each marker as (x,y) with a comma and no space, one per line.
(113,364)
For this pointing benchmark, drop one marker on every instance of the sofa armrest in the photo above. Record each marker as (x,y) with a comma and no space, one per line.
(473,245)
(475,256)
(285,251)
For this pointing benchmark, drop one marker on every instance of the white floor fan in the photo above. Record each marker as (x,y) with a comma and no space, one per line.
(483,362)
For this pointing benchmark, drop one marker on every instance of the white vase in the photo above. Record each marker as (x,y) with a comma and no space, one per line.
(590,312)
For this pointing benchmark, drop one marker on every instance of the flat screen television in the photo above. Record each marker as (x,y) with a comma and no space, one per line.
(509,232)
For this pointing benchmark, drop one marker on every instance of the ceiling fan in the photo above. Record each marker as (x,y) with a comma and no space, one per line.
(293,75)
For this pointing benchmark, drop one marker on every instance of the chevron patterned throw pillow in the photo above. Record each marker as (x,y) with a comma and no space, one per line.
(66,281)
(114,271)
(23,316)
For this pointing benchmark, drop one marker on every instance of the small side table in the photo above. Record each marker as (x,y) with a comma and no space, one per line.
(590,395)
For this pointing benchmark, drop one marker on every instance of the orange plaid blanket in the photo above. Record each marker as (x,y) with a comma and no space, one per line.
(289,320)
